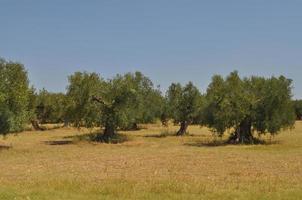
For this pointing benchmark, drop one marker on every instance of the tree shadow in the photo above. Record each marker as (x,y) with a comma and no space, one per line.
(171,134)
(58,142)
(221,143)
(5,147)
(213,143)
(163,134)
(133,129)
(97,137)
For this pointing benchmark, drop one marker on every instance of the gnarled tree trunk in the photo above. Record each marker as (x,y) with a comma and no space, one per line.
(243,133)
(66,123)
(36,125)
(109,131)
(134,126)
(183,128)
(110,128)
(164,120)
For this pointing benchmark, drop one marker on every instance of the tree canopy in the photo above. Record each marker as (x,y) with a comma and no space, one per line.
(120,102)
(80,110)
(244,106)
(248,105)
(184,104)
(14,97)
(145,107)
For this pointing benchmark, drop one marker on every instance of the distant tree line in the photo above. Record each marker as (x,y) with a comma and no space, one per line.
(244,106)
(298,109)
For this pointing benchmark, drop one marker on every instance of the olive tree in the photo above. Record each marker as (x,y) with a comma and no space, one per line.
(14,97)
(184,105)
(145,107)
(116,101)
(248,105)
(111,103)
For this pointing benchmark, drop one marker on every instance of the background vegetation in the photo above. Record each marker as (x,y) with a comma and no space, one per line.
(144,159)
(244,106)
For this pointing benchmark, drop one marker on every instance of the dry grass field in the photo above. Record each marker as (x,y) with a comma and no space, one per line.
(56,164)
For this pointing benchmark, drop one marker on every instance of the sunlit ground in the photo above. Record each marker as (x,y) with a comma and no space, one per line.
(56,165)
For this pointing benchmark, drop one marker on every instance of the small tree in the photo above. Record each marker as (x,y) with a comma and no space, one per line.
(14,97)
(184,104)
(248,105)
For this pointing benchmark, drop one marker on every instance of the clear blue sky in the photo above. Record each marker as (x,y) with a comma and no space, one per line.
(168,40)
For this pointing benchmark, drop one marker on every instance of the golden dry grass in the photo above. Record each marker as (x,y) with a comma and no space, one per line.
(55,165)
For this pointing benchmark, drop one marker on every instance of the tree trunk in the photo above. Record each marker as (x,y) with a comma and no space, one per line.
(134,126)
(164,120)
(243,133)
(109,131)
(66,123)
(36,125)
(183,128)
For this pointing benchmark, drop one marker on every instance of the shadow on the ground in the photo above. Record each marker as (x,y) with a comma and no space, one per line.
(79,137)
(58,142)
(171,134)
(96,137)
(221,143)
(161,135)
(133,130)
(213,143)
(5,147)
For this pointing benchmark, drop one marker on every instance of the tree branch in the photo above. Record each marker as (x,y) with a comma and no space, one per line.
(100,100)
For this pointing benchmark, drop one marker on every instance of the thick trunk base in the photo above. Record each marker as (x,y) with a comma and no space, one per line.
(66,123)
(108,134)
(36,125)
(243,134)
(183,129)
(242,139)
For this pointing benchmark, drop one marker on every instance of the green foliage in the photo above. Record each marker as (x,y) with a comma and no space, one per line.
(14,97)
(120,102)
(119,99)
(79,107)
(5,116)
(164,111)
(50,107)
(247,105)
(298,109)
(184,104)
(144,107)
